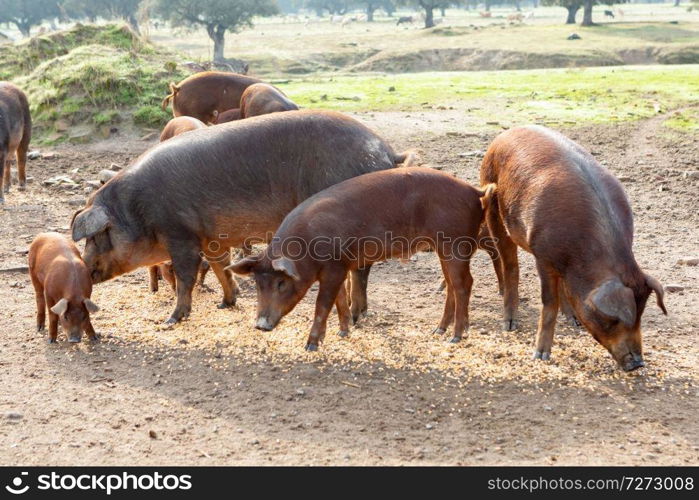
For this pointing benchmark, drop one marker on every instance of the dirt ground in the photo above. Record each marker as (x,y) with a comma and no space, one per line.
(214,390)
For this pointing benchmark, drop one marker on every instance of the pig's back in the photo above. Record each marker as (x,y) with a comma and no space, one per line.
(548,185)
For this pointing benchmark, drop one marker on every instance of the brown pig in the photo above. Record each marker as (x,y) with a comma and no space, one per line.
(62,283)
(262,99)
(15,134)
(227,116)
(554,200)
(367,219)
(180,125)
(201,94)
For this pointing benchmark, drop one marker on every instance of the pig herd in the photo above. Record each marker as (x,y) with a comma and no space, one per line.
(330,198)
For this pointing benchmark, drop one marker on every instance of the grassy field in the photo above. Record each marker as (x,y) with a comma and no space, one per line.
(463,41)
(556,95)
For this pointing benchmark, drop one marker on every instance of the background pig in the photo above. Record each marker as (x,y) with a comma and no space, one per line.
(367,219)
(203,93)
(227,116)
(557,202)
(209,190)
(262,98)
(62,283)
(179,125)
(15,134)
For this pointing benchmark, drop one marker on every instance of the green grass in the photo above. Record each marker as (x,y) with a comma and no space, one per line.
(101,76)
(685,120)
(590,95)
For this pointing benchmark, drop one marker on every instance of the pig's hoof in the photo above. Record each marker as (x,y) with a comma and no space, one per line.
(22,187)
(573,321)
(40,328)
(96,338)
(343,333)
(455,340)
(52,341)
(311,347)
(74,340)
(439,331)
(509,325)
(226,305)
(172,321)
(543,356)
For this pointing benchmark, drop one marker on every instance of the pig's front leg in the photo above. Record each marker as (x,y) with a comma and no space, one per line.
(549,311)
(331,280)
(185,261)
(153,278)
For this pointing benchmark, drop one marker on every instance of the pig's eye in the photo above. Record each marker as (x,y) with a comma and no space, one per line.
(281,285)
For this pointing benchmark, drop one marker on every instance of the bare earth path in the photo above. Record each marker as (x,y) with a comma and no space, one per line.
(215,391)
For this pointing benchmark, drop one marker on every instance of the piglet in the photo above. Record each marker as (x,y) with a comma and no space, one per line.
(62,283)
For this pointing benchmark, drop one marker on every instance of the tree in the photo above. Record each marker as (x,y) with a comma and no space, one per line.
(369,7)
(572,6)
(217,16)
(389,8)
(428,6)
(27,13)
(334,7)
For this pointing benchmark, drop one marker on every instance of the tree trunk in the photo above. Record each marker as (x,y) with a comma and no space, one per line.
(572,12)
(133,22)
(24,27)
(443,11)
(218,35)
(677,3)
(519,9)
(587,13)
(370,12)
(487,5)
(429,17)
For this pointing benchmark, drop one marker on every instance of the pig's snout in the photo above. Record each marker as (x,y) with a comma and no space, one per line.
(263,323)
(632,361)
(74,336)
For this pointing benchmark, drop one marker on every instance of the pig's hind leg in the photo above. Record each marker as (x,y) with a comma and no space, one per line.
(460,282)
(507,250)
(448,314)
(40,304)
(4,182)
(343,311)
(359,280)
(228,283)
(22,150)
(185,260)
(153,278)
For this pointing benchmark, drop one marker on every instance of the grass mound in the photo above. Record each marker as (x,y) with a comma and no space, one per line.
(89,78)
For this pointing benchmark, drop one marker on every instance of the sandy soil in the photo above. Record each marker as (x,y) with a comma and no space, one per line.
(215,391)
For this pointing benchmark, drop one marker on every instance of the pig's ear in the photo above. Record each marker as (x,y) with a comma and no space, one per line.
(287,266)
(615,300)
(245,266)
(89,222)
(91,306)
(655,285)
(60,307)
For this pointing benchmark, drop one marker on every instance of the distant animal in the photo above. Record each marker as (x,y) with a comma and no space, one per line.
(518,17)
(227,116)
(203,93)
(405,20)
(574,36)
(180,125)
(609,13)
(62,284)
(554,200)
(262,98)
(485,13)
(15,134)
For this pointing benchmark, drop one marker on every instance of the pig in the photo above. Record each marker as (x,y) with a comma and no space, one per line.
(201,94)
(15,134)
(212,189)
(62,283)
(367,219)
(179,125)
(227,116)
(262,98)
(174,127)
(554,200)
